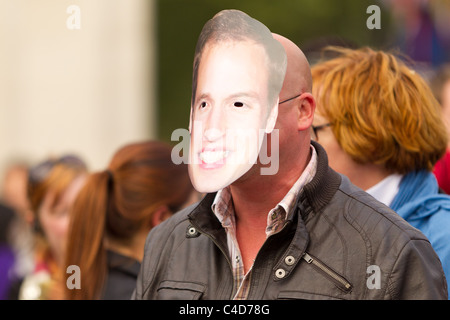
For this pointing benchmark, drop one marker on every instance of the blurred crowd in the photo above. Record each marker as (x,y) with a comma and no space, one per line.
(57,213)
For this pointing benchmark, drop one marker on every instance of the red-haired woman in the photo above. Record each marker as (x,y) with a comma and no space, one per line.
(115,211)
(382,127)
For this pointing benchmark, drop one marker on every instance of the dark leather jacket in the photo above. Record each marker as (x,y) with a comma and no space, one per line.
(338,243)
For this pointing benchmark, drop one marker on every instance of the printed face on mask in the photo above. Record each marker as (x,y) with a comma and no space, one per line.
(230,115)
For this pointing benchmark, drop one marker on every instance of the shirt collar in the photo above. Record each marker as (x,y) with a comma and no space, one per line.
(386,190)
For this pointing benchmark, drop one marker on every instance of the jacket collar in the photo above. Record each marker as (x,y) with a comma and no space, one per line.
(315,196)
(318,193)
(204,220)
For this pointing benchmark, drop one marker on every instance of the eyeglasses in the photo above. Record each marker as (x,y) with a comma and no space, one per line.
(290,99)
(316,129)
(38,173)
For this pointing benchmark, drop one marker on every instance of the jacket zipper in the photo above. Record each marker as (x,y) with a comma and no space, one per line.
(339,280)
(223,252)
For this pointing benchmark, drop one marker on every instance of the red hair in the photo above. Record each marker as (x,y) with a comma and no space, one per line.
(381,111)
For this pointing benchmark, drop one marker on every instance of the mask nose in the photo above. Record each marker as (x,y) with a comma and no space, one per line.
(214,125)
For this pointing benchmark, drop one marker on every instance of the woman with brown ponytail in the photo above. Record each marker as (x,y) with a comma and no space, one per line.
(113,214)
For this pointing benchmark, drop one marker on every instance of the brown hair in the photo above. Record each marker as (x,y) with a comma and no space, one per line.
(235,25)
(381,111)
(119,201)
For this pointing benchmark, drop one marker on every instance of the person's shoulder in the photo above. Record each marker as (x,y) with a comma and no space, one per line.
(436,223)
(370,216)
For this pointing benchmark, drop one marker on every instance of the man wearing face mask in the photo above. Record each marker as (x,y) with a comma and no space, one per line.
(302,232)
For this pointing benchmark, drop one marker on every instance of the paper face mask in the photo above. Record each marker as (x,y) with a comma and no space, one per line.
(234,105)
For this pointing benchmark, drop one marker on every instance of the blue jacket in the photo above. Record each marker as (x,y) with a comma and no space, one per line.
(420,203)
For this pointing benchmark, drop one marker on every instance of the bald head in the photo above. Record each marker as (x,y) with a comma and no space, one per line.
(295,117)
(298,74)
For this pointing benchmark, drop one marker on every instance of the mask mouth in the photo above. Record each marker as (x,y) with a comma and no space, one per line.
(213,156)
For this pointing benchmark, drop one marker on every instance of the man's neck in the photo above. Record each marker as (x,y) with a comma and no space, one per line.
(366,176)
(254,196)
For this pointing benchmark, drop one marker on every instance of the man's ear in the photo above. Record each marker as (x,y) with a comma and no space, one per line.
(307,107)
(161,213)
(272,119)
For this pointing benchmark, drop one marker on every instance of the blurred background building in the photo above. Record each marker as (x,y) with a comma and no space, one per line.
(88,76)
(76,76)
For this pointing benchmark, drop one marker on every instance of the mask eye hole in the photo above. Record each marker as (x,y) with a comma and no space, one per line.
(238,104)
